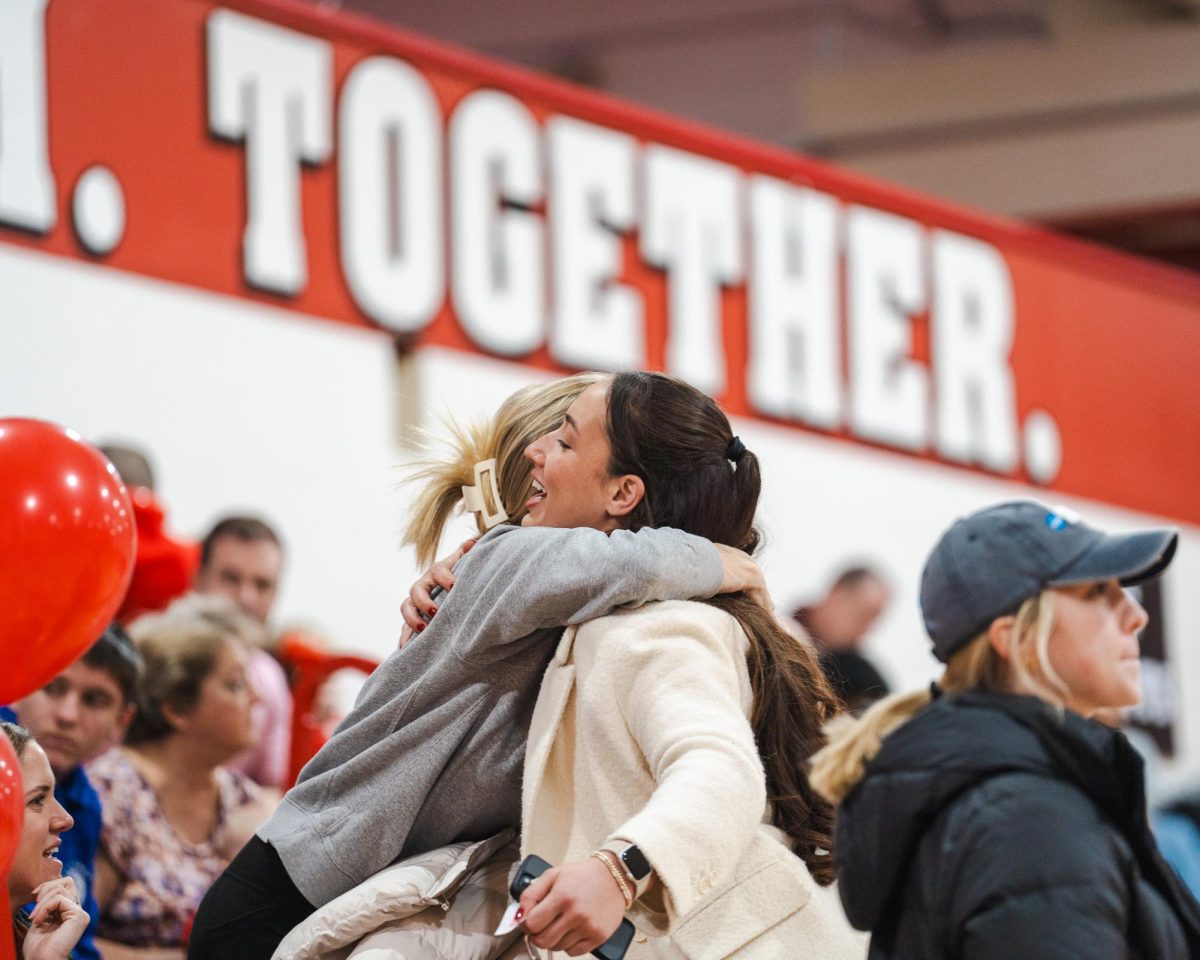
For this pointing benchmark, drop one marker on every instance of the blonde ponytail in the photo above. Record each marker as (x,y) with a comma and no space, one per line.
(441,481)
(853,742)
(837,767)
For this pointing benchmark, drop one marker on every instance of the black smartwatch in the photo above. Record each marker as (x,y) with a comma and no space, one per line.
(635,862)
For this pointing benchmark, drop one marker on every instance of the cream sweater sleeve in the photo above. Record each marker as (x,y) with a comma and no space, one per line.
(679,675)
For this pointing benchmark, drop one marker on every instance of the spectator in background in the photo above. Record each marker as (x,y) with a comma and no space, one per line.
(173,815)
(132,465)
(164,567)
(838,623)
(75,718)
(57,921)
(242,558)
(989,815)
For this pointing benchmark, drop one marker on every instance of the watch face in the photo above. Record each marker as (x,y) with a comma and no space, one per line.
(635,862)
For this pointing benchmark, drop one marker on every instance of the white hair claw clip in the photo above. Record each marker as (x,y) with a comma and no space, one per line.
(476,498)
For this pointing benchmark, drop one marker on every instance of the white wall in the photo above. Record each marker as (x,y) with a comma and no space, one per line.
(241,407)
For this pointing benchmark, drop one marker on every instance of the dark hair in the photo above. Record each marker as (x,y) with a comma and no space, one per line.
(18,736)
(133,466)
(246,529)
(674,437)
(679,442)
(852,577)
(115,654)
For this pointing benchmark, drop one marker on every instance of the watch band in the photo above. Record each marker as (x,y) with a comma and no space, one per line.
(633,863)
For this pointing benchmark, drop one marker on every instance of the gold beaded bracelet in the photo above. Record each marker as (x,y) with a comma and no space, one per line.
(606,858)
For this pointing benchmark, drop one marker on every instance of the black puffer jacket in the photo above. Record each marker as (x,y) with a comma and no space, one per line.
(991,826)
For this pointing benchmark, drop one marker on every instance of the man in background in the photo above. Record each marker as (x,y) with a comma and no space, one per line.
(75,717)
(242,558)
(838,624)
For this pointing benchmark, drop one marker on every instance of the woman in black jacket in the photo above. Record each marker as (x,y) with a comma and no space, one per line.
(988,817)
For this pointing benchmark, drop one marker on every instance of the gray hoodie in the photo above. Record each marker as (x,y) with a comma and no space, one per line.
(432,752)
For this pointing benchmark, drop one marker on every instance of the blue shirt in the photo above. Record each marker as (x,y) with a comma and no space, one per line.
(1178,839)
(79,844)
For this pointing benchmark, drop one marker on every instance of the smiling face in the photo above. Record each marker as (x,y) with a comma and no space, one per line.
(572,486)
(45,822)
(1094,645)
(76,716)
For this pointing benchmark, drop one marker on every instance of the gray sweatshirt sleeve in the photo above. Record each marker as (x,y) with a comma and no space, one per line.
(520,579)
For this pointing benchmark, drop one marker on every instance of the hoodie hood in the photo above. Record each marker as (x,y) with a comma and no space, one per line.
(949,747)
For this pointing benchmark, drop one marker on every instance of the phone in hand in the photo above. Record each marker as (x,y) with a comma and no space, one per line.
(533,867)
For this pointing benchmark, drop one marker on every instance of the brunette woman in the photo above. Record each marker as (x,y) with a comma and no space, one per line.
(667,765)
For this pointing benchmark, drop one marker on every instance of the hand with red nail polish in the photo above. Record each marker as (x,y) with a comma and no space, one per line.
(419,607)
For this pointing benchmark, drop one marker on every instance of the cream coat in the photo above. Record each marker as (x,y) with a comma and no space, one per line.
(641,734)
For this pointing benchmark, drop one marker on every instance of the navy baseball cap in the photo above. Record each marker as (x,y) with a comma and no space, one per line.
(987,564)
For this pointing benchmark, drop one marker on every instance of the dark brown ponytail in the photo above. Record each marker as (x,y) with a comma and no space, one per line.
(700,480)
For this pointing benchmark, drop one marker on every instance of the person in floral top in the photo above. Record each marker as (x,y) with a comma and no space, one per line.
(173,815)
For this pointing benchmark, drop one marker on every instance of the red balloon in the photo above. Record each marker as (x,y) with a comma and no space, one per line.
(12,806)
(66,550)
(12,820)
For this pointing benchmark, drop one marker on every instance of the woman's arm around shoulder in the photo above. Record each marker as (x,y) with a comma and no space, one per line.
(520,579)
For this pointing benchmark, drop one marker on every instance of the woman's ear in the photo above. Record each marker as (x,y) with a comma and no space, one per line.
(624,494)
(1000,636)
(178,719)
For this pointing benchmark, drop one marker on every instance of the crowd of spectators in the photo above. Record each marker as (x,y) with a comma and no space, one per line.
(168,740)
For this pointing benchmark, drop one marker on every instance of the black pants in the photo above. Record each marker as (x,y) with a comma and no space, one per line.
(249,910)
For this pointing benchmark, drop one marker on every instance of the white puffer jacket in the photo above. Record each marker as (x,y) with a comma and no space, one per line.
(441,904)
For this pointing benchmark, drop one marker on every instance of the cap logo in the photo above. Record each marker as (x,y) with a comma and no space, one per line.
(1060,518)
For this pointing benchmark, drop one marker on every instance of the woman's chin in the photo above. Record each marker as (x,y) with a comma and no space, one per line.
(52,868)
(248,742)
(1132,675)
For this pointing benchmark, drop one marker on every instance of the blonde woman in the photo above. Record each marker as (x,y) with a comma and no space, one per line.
(989,817)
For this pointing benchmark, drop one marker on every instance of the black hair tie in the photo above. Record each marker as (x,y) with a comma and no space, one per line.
(735,450)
